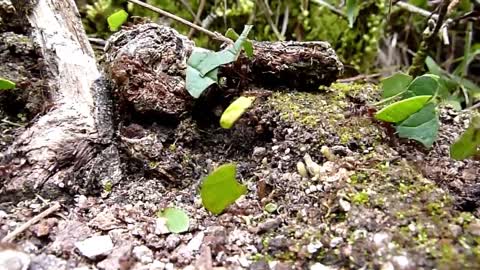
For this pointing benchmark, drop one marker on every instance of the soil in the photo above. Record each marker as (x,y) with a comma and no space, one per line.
(378,202)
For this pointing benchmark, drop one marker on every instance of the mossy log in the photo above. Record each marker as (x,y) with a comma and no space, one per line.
(147,62)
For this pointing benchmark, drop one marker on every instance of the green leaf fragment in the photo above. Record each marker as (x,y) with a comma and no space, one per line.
(228,55)
(352,11)
(421,126)
(220,189)
(117,19)
(426,84)
(235,111)
(469,143)
(202,65)
(247,44)
(6,84)
(402,109)
(395,84)
(177,219)
(270,207)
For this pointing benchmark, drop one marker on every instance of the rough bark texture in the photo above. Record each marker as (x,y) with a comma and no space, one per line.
(69,147)
(147,62)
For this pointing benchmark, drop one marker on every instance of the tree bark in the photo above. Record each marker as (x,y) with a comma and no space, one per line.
(69,148)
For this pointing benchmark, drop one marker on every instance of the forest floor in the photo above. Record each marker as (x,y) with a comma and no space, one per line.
(379,202)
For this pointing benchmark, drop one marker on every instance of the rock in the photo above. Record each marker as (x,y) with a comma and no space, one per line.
(319,266)
(157,265)
(120,258)
(12,259)
(143,254)
(268,225)
(161,226)
(172,241)
(345,205)
(474,228)
(68,232)
(336,241)
(279,243)
(401,262)
(313,247)
(47,262)
(259,265)
(196,242)
(259,151)
(455,230)
(282,266)
(95,246)
(44,227)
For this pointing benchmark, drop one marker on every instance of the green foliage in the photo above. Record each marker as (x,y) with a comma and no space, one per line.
(395,84)
(426,84)
(6,84)
(352,11)
(202,65)
(401,110)
(116,20)
(421,126)
(247,44)
(220,189)
(468,144)
(234,111)
(177,219)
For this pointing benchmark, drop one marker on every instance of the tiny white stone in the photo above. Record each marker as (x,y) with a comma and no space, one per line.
(143,254)
(319,266)
(401,262)
(95,246)
(313,247)
(14,260)
(336,241)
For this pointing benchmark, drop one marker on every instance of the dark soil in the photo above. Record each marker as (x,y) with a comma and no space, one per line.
(366,199)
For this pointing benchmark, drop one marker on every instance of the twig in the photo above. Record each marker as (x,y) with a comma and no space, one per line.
(9,237)
(330,7)
(214,35)
(12,123)
(201,6)
(285,21)
(267,11)
(97,41)
(359,77)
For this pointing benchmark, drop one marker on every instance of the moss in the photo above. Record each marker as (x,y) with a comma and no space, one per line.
(360,198)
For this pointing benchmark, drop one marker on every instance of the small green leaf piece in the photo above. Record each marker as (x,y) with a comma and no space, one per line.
(402,109)
(197,83)
(426,84)
(352,11)
(177,219)
(6,84)
(270,207)
(395,84)
(234,111)
(117,19)
(202,65)
(469,143)
(220,189)
(421,126)
(247,45)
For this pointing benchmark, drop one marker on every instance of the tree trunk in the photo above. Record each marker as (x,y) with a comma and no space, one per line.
(70,147)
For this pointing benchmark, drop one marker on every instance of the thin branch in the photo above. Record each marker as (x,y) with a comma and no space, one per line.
(201,6)
(214,35)
(267,12)
(29,223)
(285,20)
(330,7)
